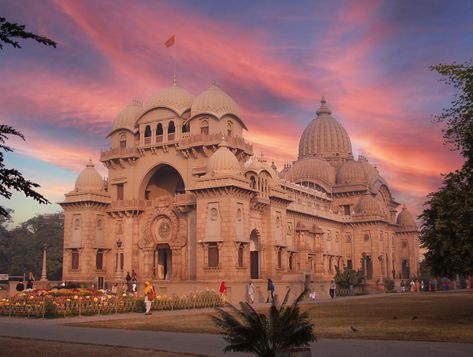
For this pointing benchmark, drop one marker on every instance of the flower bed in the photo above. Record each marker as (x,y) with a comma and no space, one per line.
(77,302)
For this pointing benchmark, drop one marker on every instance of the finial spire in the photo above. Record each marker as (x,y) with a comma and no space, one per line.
(324,109)
(174,79)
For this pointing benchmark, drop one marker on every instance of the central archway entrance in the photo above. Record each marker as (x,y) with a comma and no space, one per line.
(254,255)
(162,262)
(163,181)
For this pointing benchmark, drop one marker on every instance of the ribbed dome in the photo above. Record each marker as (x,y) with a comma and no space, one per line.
(406,219)
(89,179)
(174,98)
(223,161)
(325,137)
(127,117)
(312,169)
(352,172)
(216,102)
(368,206)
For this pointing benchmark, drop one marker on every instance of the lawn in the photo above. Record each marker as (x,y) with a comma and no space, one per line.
(440,317)
(29,347)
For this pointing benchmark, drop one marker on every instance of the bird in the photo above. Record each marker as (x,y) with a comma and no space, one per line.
(394,317)
(354,329)
(414,318)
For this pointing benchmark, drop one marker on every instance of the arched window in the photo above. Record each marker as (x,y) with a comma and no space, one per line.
(159,133)
(291,262)
(171,130)
(148,134)
(185,128)
(213,258)
(229,128)
(204,127)
(253,182)
(99,260)
(279,258)
(75,259)
(122,141)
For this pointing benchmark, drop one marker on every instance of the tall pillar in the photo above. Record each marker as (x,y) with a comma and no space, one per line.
(44,273)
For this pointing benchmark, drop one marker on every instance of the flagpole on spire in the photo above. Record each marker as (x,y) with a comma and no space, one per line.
(169,43)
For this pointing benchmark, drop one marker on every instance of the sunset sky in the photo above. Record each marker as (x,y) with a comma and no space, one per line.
(370,59)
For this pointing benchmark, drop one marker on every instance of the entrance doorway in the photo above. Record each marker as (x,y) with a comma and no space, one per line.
(162,262)
(254,255)
(405,269)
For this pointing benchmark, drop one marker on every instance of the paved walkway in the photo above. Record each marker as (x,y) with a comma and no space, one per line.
(208,344)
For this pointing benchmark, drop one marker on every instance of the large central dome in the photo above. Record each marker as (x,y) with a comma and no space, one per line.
(325,137)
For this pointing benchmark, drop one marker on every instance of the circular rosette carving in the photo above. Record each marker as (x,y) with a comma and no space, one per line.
(162,229)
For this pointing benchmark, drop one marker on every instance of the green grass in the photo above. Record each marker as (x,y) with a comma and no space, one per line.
(441,317)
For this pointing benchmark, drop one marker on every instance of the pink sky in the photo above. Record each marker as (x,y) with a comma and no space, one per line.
(369,59)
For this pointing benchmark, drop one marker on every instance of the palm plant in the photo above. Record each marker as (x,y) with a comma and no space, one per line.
(281,329)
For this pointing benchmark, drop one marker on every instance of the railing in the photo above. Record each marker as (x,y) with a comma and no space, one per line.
(214,139)
(116,153)
(178,200)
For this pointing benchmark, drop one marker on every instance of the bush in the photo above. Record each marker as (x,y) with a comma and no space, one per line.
(50,309)
(348,277)
(389,285)
(140,306)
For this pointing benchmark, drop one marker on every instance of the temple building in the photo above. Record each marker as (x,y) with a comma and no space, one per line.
(187,205)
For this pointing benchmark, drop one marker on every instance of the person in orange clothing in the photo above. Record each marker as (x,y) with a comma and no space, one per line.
(150,294)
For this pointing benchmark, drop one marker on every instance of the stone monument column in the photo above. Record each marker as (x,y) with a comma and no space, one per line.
(44,273)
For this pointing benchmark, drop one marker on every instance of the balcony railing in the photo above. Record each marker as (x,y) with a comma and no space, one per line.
(118,153)
(183,199)
(214,139)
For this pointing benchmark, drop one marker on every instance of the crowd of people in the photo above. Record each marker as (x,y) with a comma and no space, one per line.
(434,284)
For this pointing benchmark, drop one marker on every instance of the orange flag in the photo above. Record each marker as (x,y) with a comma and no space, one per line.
(170,41)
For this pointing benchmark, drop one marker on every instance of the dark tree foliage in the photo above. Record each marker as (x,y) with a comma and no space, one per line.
(282,329)
(12,179)
(21,248)
(447,230)
(348,277)
(10,32)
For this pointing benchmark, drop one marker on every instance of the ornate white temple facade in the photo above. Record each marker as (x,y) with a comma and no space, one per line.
(187,205)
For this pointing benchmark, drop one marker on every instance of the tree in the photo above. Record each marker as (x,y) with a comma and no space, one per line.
(12,179)
(21,248)
(10,31)
(447,229)
(264,335)
(348,277)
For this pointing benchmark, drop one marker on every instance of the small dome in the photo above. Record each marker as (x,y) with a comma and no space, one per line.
(312,169)
(257,165)
(127,117)
(223,161)
(175,98)
(325,137)
(406,219)
(352,172)
(368,206)
(89,179)
(216,102)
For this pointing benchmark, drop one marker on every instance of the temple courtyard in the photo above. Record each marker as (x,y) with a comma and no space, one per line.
(430,324)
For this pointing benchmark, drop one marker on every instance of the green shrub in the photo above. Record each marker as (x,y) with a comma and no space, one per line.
(140,306)
(50,309)
(388,285)
(348,277)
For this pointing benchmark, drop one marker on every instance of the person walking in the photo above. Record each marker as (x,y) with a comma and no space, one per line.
(223,291)
(251,292)
(150,294)
(128,281)
(332,289)
(270,290)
